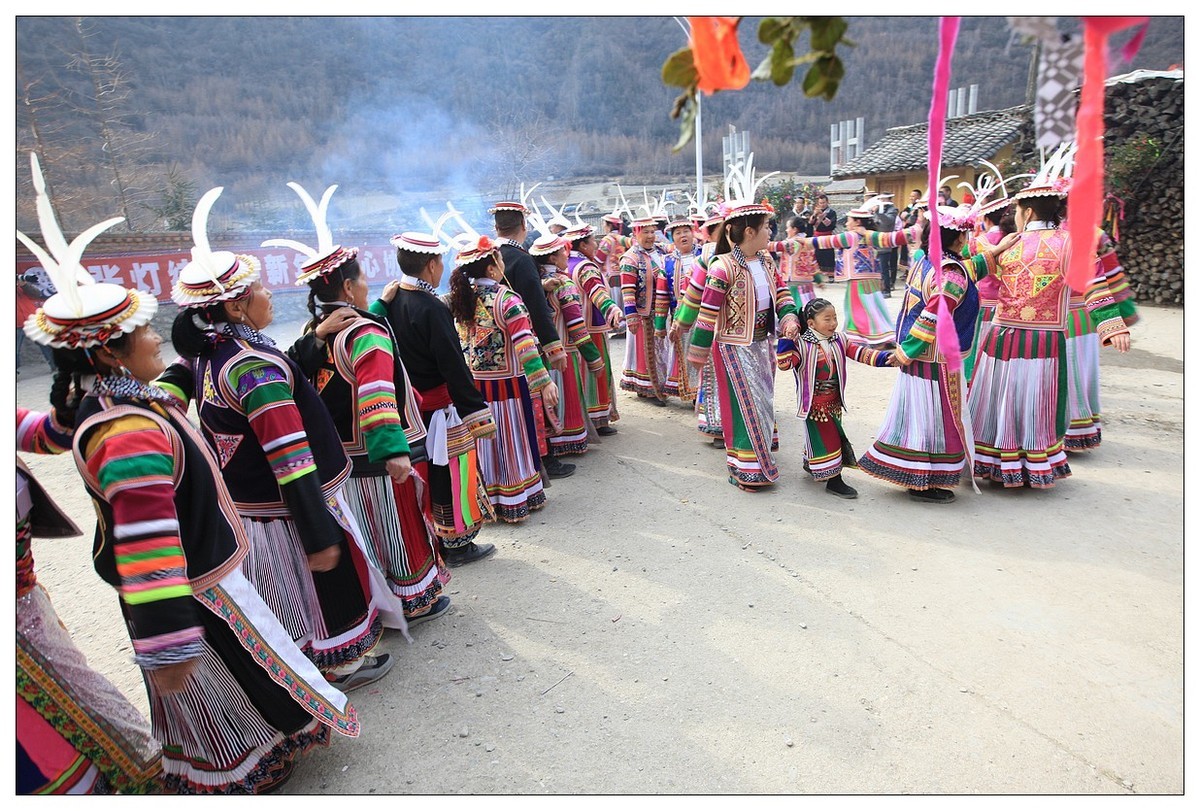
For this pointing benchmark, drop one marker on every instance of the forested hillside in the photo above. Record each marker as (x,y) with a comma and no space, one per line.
(394,105)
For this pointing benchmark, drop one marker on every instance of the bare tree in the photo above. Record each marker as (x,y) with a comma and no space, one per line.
(107,104)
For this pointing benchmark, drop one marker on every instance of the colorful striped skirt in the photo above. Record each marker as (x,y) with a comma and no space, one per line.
(708,403)
(920,444)
(1017,407)
(983,323)
(252,705)
(645,362)
(598,387)
(335,617)
(573,438)
(745,383)
(76,732)
(826,446)
(509,460)
(1083,383)
(455,500)
(866,314)
(399,541)
(682,377)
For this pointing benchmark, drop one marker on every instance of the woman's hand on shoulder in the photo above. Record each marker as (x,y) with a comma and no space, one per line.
(335,322)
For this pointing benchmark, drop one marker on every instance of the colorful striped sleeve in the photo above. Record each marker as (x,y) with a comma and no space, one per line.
(893,239)
(131,460)
(576,328)
(716,286)
(1102,308)
(39,432)
(520,331)
(265,394)
(1118,284)
(866,355)
(629,284)
(592,287)
(924,329)
(373,359)
(177,380)
(662,301)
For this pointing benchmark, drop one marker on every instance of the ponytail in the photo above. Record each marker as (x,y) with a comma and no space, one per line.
(463,297)
(189,337)
(66,390)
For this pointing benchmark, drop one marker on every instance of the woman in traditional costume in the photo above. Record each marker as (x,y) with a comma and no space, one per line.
(744,305)
(348,354)
(925,439)
(233,701)
(601,314)
(282,461)
(683,379)
(497,340)
(1018,401)
(800,269)
(76,732)
(645,297)
(454,412)
(551,252)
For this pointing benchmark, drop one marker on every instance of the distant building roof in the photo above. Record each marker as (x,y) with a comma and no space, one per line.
(969,138)
(850,186)
(1143,75)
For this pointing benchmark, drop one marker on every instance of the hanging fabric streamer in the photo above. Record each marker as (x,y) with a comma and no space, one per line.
(1059,69)
(1085,197)
(947,338)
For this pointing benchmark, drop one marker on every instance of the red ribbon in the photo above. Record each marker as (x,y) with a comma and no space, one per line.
(947,338)
(1087,188)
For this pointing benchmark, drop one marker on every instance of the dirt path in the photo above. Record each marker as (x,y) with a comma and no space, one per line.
(655,630)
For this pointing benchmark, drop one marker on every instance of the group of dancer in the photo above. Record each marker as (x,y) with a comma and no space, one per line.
(1014,393)
(333,484)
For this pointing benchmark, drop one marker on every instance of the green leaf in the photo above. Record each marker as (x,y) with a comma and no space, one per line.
(680,69)
(826,32)
(782,67)
(772,29)
(686,106)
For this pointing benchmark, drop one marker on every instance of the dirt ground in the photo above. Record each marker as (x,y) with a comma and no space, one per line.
(654,630)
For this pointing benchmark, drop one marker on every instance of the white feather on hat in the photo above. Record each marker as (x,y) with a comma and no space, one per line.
(82,313)
(211,276)
(326,256)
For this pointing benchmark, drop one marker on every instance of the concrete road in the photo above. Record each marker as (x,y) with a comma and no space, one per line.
(655,630)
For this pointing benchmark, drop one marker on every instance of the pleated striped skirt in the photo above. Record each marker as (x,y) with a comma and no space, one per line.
(509,460)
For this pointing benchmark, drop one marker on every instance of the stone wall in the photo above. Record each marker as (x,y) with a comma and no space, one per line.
(1151,235)
(1151,245)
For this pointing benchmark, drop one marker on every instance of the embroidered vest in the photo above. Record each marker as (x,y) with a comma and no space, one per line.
(578,264)
(210,529)
(488,346)
(735,321)
(242,460)
(921,287)
(1033,292)
(336,383)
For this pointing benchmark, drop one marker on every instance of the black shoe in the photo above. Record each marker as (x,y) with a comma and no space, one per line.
(807,469)
(467,554)
(654,401)
(934,495)
(718,442)
(839,488)
(556,469)
(440,606)
(606,430)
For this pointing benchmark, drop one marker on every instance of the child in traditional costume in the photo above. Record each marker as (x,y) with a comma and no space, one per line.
(233,701)
(283,462)
(817,359)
